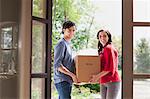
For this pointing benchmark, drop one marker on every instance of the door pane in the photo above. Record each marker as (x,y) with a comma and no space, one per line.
(141,89)
(141,49)
(38,47)
(39,8)
(141,10)
(38,88)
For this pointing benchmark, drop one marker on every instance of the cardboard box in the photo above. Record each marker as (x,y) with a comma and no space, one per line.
(86,66)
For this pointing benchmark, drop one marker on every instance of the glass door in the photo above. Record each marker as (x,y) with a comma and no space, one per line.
(41,43)
(136,49)
(141,49)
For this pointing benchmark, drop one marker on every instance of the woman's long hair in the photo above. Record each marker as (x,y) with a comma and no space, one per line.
(100,46)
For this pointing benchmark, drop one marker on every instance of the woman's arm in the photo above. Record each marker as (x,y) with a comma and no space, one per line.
(95,78)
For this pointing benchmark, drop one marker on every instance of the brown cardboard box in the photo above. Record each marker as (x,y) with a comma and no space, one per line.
(86,66)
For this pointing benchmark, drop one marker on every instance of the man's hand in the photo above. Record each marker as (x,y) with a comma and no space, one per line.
(74,78)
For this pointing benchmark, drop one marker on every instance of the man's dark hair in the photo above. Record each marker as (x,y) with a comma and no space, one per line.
(67,24)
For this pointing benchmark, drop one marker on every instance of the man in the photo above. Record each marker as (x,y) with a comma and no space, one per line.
(64,63)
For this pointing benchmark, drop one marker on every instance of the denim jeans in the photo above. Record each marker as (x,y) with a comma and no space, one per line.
(64,90)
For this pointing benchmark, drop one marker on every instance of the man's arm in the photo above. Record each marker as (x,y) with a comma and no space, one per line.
(64,70)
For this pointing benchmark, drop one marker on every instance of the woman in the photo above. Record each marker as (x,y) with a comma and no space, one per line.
(109,76)
(64,63)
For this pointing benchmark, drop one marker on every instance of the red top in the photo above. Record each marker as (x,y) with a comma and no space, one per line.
(109,62)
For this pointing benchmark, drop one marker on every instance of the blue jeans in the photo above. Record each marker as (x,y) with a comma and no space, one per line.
(64,90)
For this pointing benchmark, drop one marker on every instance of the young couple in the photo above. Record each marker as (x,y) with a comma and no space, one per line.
(64,66)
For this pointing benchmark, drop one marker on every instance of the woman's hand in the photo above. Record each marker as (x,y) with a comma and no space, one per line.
(94,79)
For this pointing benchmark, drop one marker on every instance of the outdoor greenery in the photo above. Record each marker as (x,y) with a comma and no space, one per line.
(78,11)
(142,63)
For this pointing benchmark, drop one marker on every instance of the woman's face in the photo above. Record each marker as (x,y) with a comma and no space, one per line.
(103,37)
(69,32)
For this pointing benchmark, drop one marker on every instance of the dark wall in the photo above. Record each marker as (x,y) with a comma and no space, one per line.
(10,12)
(9,88)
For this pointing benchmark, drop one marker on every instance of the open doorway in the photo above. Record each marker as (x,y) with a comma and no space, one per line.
(90,16)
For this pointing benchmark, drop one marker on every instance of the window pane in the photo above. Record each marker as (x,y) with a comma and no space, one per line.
(38,89)
(8,48)
(141,89)
(6,38)
(141,52)
(141,10)
(6,58)
(39,8)
(38,47)
(8,61)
